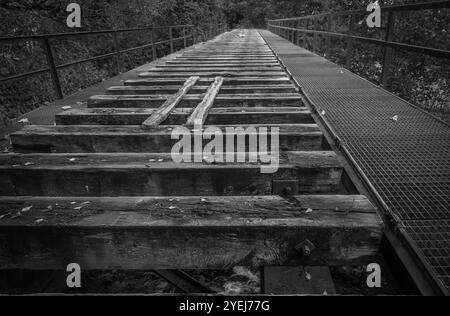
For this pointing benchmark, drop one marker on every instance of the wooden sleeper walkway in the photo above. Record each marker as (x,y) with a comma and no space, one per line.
(105,192)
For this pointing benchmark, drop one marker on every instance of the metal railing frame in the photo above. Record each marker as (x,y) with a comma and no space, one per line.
(426,279)
(289,29)
(52,67)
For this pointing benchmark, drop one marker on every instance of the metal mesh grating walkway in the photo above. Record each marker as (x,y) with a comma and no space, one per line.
(407,161)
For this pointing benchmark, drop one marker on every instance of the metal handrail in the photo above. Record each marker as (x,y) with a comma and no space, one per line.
(283,28)
(435,52)
(72,34)
(53,67)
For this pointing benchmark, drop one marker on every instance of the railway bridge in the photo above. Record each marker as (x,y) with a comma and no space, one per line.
(96,184)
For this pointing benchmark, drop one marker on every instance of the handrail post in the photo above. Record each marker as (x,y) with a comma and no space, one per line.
(118,59)
(194,35)
(53,70)
(316,36)
(348,60)
(171,40)
(293,32)
(153,40)
(388,50)
(305,38)
(330,29)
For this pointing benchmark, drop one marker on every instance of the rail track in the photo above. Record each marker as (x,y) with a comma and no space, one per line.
(100,187)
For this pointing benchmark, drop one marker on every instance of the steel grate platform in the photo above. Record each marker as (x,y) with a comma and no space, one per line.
(407,161)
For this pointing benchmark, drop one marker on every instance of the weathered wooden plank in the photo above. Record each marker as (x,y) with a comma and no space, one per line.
(200,113)
(182,69)
(157,175)
(218,55)
(224,100)
(227,81)
(217,116)
(217,206)
(227,60)
(112,139)
(212,74)
(238,49)
(178,63)
(237,58)
(216,51)
(182,233)
(149,90)
(161,114)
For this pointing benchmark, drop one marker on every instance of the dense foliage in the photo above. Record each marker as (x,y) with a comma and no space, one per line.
(422,80)
(28,17)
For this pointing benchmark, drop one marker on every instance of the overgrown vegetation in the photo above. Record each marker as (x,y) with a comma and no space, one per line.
(422,80)
(30,17)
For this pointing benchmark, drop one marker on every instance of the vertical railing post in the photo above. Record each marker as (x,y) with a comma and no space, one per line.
(330,29)
(288,32)
(305,37)
(388,50)
(316,36)
(297,33)
(348,59)
(117,48)
(153,39)
(53,70)
(171,40)
(291,32)
(194,35)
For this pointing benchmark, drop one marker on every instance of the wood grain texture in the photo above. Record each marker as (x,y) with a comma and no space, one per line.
(212,74)
(157,175)
(227,81)
(200,113)
(217,116)
(229,100)
(172,102)
(135,139)
(216,233)
(243,89)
